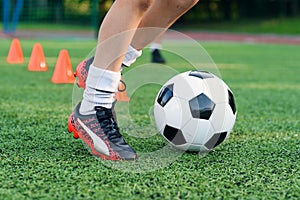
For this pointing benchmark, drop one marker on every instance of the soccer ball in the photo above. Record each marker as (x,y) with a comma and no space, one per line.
(195,111)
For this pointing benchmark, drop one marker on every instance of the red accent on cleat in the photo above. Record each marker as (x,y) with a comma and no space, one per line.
(82,72)
(71,126)
(96,153)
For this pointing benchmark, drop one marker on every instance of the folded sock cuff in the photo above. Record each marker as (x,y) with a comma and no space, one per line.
(103,80)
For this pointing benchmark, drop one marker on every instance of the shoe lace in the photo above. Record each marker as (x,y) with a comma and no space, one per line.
(108,124)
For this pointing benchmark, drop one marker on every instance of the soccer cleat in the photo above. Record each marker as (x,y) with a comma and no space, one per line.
(101,134)
(156,57)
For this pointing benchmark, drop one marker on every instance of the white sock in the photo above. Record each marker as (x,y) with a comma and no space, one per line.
(101,86)
(154,46)
(131,55)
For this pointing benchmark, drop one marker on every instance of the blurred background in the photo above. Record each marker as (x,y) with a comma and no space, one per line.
(254,16)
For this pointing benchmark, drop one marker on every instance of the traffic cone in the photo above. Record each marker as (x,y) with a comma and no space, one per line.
(15,54)
(37,60)
(63,72)
(121,95)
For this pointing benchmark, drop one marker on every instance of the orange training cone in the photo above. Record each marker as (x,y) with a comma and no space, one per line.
(121,95)
(63,72)
(15,54)
(37,60)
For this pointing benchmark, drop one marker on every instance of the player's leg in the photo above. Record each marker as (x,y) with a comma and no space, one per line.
(116,32)
(162,14)
(93,118)
(159,17)
(115,36)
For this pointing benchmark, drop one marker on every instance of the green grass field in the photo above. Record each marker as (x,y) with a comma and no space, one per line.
(260,160)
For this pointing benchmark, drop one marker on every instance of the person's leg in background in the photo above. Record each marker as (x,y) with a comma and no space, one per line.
(16,15)
(155,50)
(6,11)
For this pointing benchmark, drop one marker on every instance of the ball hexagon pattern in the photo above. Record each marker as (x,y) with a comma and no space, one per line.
(195,111)
(201,106)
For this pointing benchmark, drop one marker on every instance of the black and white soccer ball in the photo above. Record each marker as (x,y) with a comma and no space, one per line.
(195,111)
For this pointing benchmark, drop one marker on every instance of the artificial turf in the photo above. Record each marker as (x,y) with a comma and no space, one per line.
(260,160)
